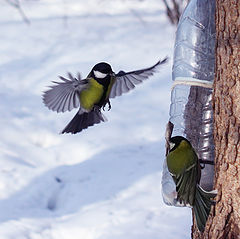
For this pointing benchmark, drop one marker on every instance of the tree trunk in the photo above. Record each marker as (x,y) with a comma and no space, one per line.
(224,220)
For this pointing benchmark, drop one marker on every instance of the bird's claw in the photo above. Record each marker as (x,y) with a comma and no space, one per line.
(96,108)
(204,162)
(109,105)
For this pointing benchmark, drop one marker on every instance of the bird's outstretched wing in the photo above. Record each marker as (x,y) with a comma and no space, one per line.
(63,95)
(126,81)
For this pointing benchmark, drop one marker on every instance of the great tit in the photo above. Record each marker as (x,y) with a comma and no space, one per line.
(184,166)
(93,93)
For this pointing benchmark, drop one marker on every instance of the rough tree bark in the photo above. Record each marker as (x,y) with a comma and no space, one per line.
(224,220)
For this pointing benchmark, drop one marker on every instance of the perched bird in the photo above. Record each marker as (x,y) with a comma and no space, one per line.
(184,166)
(93,93)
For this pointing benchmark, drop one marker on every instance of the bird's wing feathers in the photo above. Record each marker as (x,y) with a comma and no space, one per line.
(186,185)
(63,95)
(125,81)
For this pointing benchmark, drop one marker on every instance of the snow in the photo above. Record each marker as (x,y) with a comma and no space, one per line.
(103,183)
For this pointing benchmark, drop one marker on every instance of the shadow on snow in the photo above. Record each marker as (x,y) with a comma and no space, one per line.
(67,189)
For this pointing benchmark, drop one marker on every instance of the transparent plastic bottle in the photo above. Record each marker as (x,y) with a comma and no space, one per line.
(191,96)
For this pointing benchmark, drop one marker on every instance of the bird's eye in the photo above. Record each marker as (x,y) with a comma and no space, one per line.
(171,144)
(99,74)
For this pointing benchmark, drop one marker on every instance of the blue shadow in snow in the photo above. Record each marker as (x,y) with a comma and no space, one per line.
(66,189)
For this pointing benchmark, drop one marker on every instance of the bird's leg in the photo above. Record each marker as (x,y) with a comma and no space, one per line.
(96,108)
(204,162)
(109,104)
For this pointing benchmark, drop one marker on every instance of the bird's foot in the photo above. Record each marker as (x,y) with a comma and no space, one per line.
(204,162)
(109,105)
(96,108)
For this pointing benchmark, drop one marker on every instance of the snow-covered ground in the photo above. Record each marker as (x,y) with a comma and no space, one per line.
(103,183)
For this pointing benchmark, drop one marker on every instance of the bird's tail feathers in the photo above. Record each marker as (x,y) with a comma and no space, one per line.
(202,206)
(83,120)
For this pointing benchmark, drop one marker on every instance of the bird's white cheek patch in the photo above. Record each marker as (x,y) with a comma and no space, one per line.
(171,145)
(99,74)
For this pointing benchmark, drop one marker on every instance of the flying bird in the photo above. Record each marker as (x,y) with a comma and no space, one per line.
(184,166)
(92,94)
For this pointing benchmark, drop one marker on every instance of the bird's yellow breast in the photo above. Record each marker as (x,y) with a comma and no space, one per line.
(112,81)
(92,95)
(181,158)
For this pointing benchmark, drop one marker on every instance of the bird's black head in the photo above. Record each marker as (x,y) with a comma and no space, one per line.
(175,141)
(101,70)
